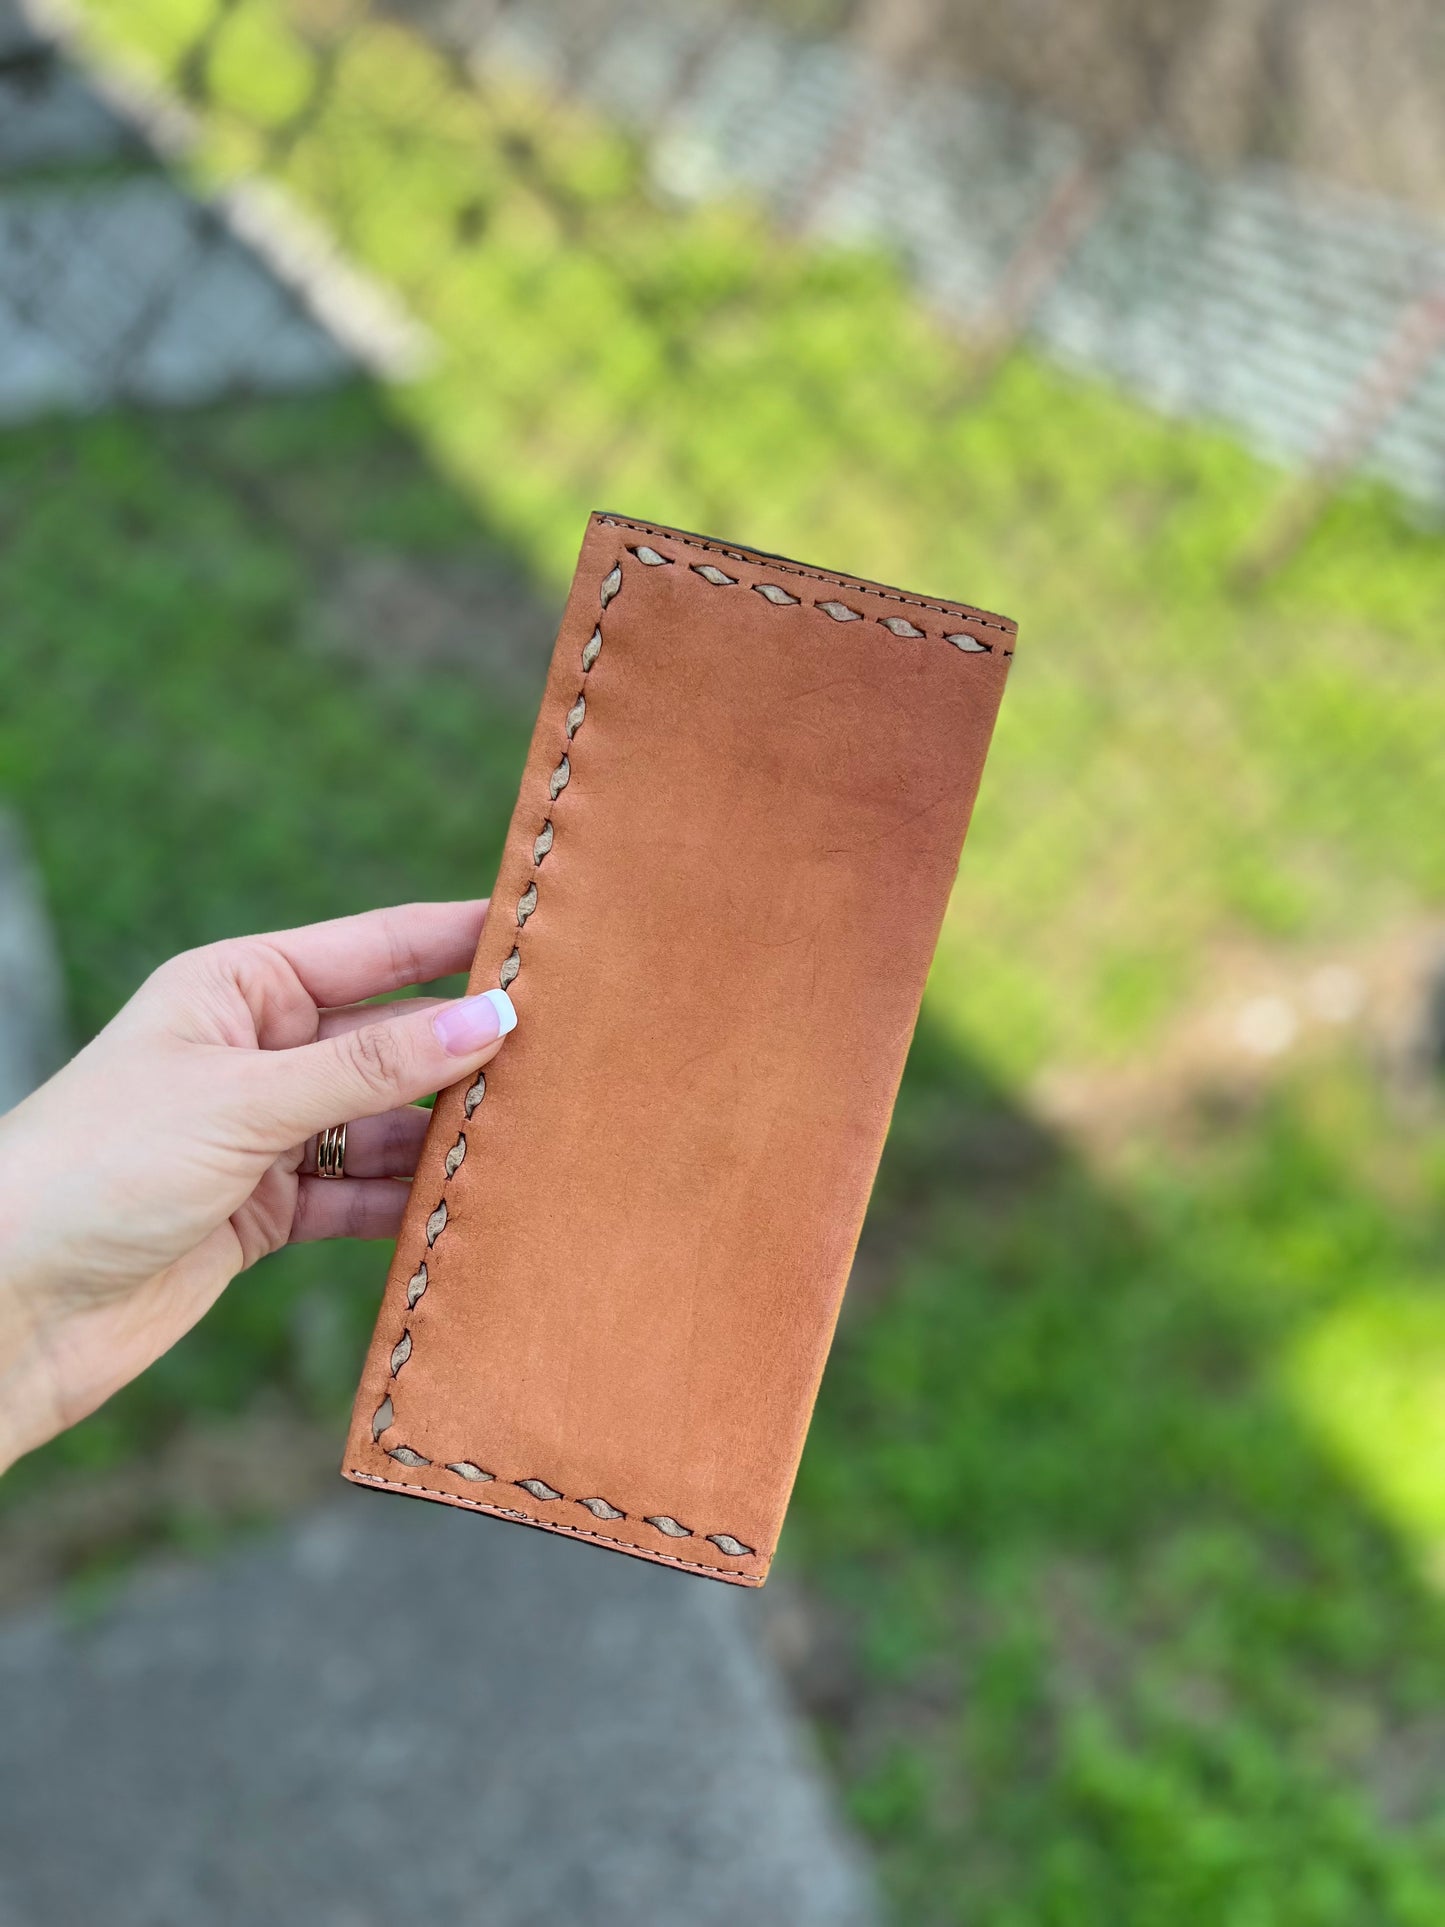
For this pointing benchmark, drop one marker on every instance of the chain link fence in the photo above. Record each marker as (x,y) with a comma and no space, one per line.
(1303,313)
(119,284)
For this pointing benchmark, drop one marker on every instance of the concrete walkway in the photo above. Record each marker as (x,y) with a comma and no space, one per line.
(119,285)
(399,1713)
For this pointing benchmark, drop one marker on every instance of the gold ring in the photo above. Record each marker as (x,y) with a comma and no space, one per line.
(331,1152)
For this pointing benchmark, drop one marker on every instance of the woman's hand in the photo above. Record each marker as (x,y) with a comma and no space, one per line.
(180,1146)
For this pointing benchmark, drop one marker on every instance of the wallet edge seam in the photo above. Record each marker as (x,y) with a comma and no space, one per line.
(730,1575)
(737,552)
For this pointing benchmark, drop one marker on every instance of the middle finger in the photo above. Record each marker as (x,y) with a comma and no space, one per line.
(379,1147)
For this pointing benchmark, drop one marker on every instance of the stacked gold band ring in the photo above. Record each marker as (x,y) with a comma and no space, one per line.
(331,1152)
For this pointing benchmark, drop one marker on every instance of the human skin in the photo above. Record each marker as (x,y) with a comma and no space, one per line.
(179,1147)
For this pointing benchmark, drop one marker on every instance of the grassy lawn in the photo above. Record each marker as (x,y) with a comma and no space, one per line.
(1127,1488)
(1130,1498)
(1174,762)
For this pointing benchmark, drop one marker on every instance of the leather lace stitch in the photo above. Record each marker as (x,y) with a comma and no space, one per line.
(899,626)
(384,1417)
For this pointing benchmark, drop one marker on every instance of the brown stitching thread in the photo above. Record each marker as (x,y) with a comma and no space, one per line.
(384,1417)
(755,560)
(674,1528)
(510,1512)
(539,1489)
(839,611)
(464,1468)
(814,575)
(547,1494)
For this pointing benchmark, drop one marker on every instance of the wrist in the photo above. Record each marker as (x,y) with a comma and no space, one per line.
(24,1376)
(26,1397)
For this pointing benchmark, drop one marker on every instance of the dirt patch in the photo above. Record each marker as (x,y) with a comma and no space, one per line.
(1270,1012)
(404,612)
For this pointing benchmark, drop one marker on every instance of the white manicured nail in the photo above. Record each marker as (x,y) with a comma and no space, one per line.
(506,1010)
(471,1024)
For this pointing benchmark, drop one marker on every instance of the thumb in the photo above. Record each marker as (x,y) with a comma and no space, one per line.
(363,1072)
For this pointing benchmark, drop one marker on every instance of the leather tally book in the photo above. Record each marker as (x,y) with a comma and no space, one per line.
(627,1241)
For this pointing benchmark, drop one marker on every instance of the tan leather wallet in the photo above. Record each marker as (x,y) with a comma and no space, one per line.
(627,1241)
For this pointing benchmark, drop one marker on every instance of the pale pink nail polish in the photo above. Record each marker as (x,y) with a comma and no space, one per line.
(469,1026)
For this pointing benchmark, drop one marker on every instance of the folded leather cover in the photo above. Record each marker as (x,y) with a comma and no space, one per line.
(627,1243)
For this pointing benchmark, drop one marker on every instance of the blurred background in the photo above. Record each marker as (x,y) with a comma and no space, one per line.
(1114,1587)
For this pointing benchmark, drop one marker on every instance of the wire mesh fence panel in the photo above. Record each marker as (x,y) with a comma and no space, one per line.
(1256,298)
(122,282)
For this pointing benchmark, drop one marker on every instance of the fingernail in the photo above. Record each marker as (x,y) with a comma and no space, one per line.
(475,1022)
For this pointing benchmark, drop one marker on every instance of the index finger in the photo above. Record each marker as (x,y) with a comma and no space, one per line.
(350,958)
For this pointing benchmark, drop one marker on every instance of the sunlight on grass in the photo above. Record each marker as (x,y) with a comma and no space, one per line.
(1370,1378)
(1101,1481)
(1173,763)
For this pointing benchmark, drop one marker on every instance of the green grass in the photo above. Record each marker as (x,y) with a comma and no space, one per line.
(1175,762)
(1128,1492)
(1124,1507)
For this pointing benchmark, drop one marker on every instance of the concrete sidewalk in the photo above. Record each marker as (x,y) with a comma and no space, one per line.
(397,1713)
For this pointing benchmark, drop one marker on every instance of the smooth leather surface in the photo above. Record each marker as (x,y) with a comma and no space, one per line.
(651,1224)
